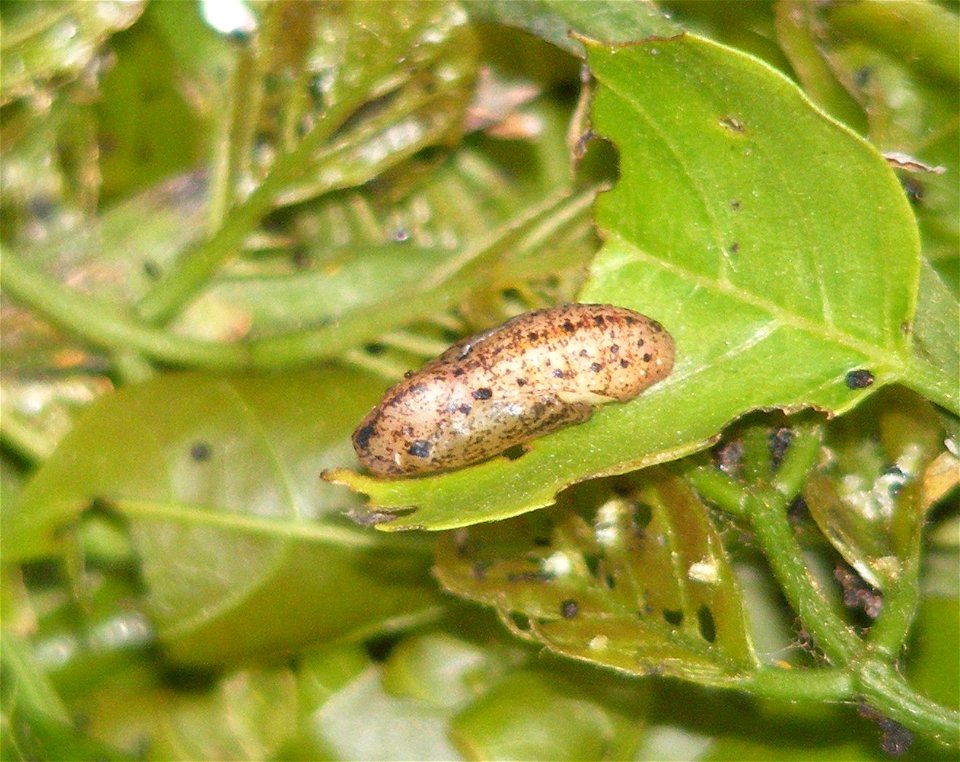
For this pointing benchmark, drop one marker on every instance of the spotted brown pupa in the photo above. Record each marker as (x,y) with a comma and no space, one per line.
(536,373)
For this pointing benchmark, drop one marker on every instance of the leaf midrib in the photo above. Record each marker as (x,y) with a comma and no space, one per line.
(878,353)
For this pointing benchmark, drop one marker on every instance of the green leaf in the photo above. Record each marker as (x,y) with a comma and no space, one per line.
(438,669)
(911,112)
(931,663)
(554,20)
(751,251)
(363,720)
(46,40)
(735,225)
(568,723)
(359,89)
(923,34)
(798,26)
(644,586)
(248,714)
(869,504)
(148,127)
(219,478)
(938,323)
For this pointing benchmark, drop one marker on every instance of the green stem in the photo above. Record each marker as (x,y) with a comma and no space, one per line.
(817,685)
(441,289)
(768,516)
(27,680)
(196,265)
(766,509)
(25,439)
(718,488)
(885,690)
(799,460)
(889,631)
(132,367)
(233,139)
(97,323)
(901,598)
(104,326)
(876,682)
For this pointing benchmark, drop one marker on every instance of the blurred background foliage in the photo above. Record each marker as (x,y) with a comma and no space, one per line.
(330,193)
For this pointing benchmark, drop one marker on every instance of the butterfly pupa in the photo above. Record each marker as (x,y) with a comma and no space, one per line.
(536,373)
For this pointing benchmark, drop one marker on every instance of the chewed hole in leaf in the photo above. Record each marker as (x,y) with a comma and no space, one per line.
(864,498)
(642,514)
(706,625)
(673,617)
(605,591)
(710,256)
(592,560)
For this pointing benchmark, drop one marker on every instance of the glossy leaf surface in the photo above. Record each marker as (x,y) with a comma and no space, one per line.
(734,225)
(219,478)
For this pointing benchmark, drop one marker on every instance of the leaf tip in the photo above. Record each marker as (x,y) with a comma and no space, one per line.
(368,517)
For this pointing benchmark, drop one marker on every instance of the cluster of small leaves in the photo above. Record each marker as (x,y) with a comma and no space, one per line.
(644,587)
(350,187)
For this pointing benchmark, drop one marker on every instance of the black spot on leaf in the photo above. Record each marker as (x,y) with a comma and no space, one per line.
(673,617)
(200,452)
(859,379)
(706,625)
